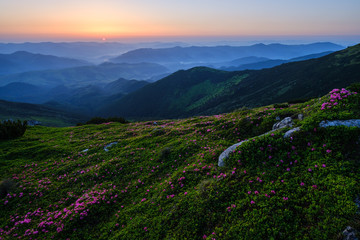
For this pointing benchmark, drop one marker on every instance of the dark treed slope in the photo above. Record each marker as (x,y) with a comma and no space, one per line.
(208,91)
(24,61)
(124,86)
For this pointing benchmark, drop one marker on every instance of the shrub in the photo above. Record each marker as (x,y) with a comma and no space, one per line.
(165,152)
(281,105)
(100,120)
(299,100)
(12,129)
(6,187)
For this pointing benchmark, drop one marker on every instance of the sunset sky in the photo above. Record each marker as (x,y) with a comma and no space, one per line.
(42,20)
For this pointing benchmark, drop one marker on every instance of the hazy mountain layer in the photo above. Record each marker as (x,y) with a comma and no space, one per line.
(24,61)
(82,76)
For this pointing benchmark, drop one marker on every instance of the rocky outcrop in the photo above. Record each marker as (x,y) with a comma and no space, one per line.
(287,122)
(346,123)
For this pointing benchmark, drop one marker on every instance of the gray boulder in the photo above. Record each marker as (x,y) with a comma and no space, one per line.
(291,132)
(286,122)
(335,123)
(225,154)
(349,233)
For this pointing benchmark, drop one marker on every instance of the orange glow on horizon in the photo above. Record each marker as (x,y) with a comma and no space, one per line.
(110,19)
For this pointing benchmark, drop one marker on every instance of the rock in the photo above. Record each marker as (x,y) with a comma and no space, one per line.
(291,131)
(349,233)
(33,123)
(301,116)
(277,118)
(286,122)
(225,154)
(109,145)
(85,150)
(335,123)
(357,202)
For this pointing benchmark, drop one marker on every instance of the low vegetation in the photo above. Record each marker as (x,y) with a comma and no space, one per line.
(161,179)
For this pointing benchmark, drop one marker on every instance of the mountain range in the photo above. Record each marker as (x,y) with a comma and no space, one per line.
(105,90)
(205,91)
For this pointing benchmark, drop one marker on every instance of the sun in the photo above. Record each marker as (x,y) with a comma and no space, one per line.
(103,39)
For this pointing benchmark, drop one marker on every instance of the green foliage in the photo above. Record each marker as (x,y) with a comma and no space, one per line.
(12,129)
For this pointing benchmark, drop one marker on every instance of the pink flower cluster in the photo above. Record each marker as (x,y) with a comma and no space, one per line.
(336,95)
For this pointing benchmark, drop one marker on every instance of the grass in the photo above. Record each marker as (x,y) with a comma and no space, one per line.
(161,181)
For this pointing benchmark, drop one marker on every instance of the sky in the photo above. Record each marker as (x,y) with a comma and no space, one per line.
(113,20)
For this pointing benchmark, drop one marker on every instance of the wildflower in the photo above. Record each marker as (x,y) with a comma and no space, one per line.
(252,202)
(302,184)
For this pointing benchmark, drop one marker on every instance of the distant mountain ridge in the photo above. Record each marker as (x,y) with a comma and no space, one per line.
(205,91)
(195,54)
(95,52)
(22,61)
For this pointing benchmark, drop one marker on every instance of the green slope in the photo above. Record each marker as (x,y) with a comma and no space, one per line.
(161,180)
(46,115)
(200,91)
